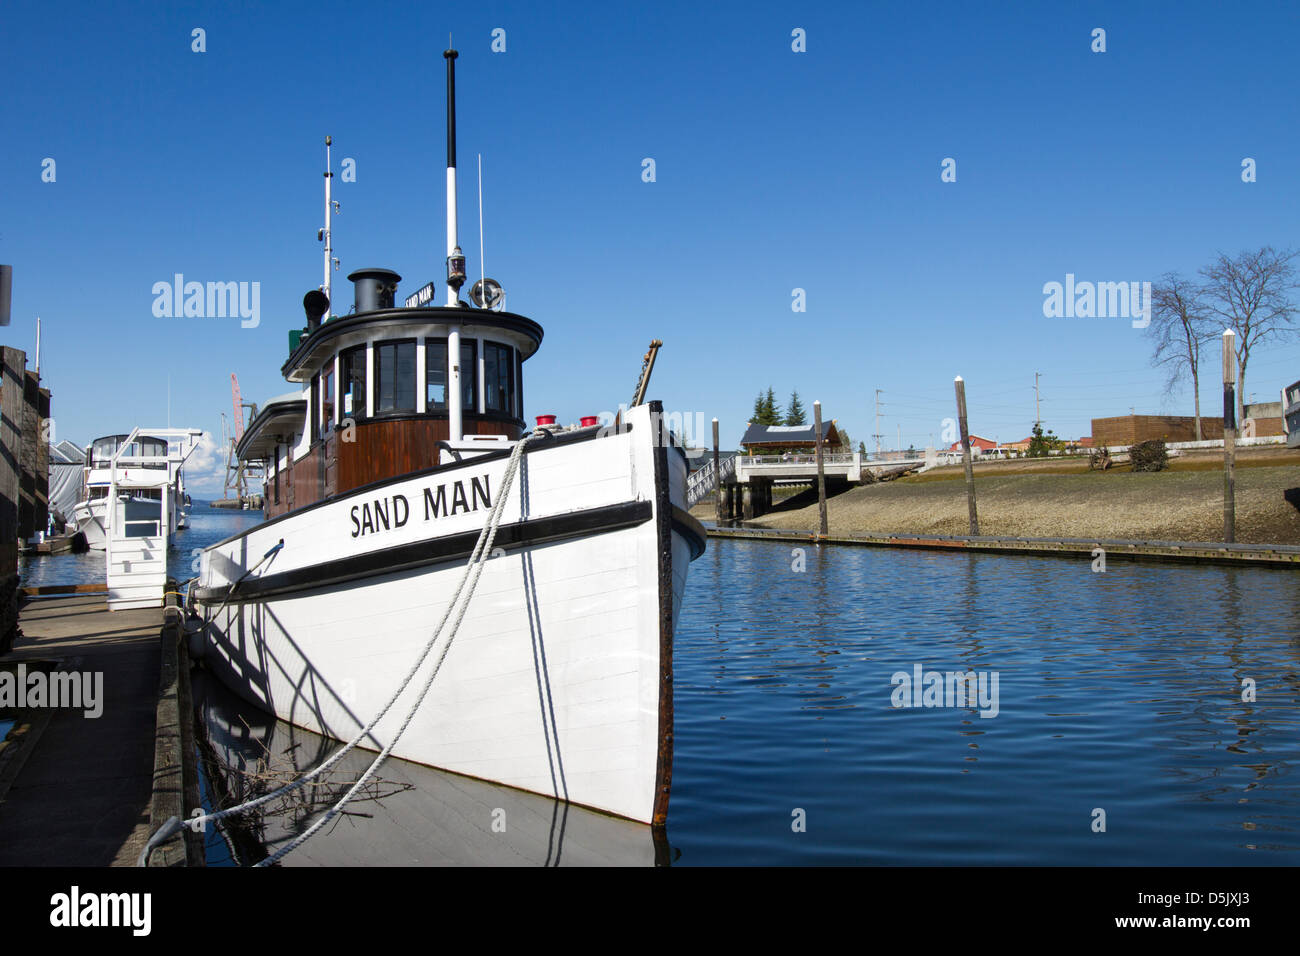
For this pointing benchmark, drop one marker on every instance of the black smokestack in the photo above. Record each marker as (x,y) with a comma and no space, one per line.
(374,288)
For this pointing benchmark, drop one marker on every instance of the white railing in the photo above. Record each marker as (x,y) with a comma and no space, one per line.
(704,480)
(792,459)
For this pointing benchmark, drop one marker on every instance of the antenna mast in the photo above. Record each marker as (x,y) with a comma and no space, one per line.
(482,259)
(455,261)
(329,245)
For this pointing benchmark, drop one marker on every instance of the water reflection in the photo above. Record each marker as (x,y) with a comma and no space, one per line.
(408,815)
(1120,690)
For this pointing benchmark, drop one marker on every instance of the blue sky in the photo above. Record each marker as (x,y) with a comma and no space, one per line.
(775,170)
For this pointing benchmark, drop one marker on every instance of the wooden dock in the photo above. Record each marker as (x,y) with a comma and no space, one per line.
(77,790)
(1195,552)
(57,544)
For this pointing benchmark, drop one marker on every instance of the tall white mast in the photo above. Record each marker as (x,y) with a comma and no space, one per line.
(455,262)
(329,245)
(482,258)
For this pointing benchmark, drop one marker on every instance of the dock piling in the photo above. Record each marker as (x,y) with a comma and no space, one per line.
(821,471)
(1229,435)
(717,476)
(965,455)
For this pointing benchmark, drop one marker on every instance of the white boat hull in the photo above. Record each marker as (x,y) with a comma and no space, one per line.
(91,521)
(89,517)
(559,680)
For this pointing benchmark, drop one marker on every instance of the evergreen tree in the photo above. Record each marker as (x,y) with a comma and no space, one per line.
(794,414)
(770,415)
(760,413)
(1040,445)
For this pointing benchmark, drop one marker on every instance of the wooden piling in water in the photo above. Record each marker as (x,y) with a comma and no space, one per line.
(717,476)
(821,471)
(1229,435)
(965,455)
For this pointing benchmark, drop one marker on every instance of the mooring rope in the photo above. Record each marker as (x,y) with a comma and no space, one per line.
(473,569)
(230,591)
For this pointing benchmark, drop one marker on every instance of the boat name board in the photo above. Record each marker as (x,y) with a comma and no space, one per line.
(422,296)
(394,511)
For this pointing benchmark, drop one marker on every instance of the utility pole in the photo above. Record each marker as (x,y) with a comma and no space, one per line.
(1038,418)
(877,434)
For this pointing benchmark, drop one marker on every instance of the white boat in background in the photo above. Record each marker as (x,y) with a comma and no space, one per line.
(165,449)
(381,470)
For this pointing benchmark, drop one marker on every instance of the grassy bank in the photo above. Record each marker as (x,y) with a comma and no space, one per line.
(1183,504)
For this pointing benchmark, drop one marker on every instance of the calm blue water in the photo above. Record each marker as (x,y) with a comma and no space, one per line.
(1118,692)
(207,526)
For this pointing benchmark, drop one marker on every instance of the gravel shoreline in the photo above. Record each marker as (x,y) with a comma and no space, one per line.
(1166,506)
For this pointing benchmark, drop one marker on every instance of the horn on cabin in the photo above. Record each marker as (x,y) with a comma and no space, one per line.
(374,288)
(315,303)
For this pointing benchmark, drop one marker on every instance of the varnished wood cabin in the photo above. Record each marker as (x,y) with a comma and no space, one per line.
(377,396)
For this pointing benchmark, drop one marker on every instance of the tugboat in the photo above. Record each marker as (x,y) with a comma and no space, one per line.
(382,469)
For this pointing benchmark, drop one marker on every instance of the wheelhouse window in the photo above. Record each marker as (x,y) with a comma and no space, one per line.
(315,407)
(149,448)
(395,376)
(327,396)
(519,385)
(435,374)
(352,382)
(468,375)
(499,378)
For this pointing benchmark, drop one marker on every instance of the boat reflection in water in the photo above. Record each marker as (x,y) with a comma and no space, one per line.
(408,815)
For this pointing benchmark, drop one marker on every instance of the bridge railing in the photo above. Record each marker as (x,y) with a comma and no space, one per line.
(703,481)
(793,459)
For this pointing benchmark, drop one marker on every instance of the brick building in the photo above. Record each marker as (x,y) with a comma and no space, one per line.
(1126,430)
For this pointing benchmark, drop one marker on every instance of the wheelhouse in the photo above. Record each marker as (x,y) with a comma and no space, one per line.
(388,391)
(101,451)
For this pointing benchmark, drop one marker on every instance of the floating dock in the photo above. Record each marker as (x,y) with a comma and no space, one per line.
(81,790)
(1195,552)
(57,544)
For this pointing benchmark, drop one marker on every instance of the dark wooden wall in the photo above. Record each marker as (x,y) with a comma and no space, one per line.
(379,450)
(12,364)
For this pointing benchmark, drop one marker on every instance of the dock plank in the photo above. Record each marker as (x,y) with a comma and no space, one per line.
(82,796)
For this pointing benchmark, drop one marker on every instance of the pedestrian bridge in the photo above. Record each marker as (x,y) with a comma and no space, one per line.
(854,468)
(763,471)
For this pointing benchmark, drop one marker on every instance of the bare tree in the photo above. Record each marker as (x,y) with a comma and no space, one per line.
(1180,325)
(1251,294)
